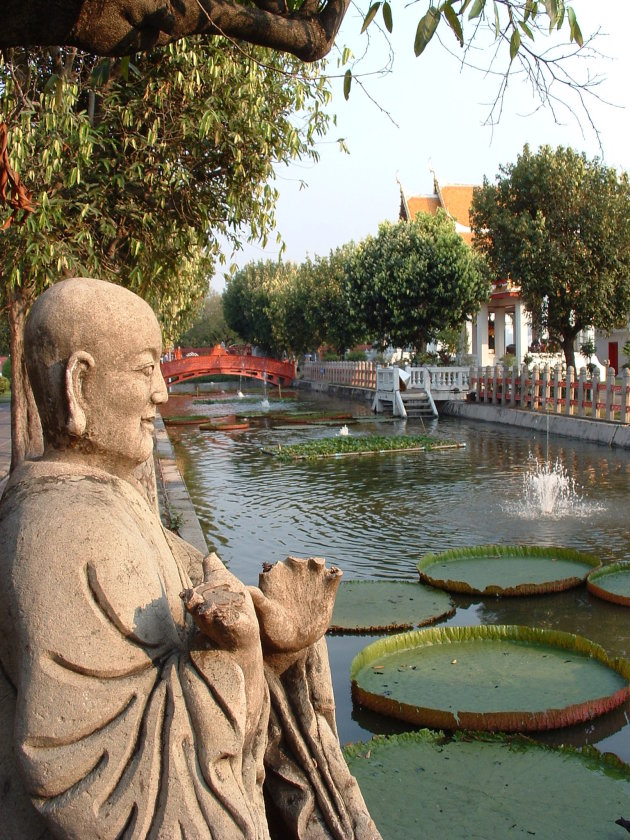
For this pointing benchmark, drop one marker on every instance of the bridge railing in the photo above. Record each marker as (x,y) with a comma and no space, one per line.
(553,391)
(353,374)
(452,379)
(364,375)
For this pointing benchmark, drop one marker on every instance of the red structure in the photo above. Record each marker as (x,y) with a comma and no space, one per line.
(213,360)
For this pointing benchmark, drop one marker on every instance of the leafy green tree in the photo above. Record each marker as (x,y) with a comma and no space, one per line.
(558,225)
(252,307)
(412,280)
(209,327)
(313,305)
(135,170)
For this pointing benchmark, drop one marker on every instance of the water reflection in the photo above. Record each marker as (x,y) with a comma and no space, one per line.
(376,516)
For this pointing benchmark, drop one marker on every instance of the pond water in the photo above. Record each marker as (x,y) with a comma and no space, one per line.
(376,516)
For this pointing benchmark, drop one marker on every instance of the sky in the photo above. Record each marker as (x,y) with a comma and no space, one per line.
(429,116)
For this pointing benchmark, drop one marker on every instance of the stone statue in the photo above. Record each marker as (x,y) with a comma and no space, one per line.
(145,706)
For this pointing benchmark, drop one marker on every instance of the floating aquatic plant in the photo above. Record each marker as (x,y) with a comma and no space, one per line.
(370,606)
(506,569)
(426,784)
(491,677)
(365,445)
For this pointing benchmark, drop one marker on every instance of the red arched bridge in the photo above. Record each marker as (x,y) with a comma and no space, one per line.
(212,360)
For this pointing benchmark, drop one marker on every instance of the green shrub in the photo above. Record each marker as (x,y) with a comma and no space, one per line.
(6,369)
(4,384)
(355,356)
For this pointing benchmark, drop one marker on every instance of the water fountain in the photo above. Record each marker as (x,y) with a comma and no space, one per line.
(343,431)
(548,490)
(265,402)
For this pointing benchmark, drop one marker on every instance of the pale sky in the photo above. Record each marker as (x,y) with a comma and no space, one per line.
(439,110)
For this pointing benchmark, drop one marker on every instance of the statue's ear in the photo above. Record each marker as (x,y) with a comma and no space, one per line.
(78,363)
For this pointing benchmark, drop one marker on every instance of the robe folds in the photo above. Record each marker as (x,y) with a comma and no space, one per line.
(123,727)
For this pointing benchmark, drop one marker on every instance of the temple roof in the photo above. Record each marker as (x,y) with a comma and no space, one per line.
(455,199)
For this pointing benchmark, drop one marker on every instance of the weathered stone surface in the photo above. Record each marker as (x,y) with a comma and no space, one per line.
(141,705)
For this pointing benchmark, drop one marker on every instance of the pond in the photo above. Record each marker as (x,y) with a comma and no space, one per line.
(376,516)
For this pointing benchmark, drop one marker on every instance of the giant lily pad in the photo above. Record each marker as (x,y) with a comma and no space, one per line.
(492,677)
(421,784)
(369,606)
(506,569)
(612,583)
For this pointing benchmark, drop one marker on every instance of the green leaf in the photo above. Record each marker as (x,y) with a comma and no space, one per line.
(477,9)
(50,84)
(526,30)
(387,17)
(497,20)
(124,68)
(370,15)
(515,43)
(426,29)
(576,33)
(453,22)
(347,82)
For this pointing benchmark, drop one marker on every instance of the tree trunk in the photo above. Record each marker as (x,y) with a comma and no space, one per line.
(568,349)
(26,430)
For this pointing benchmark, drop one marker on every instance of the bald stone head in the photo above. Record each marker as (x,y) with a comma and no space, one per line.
(92,352)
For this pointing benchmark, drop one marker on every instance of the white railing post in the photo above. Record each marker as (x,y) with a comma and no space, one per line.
(535,388)
(581,391)
(610,393)
(595,394)
(625,395)
(514,378)
(557,379)
(568,392)
(545,388)
(524,377)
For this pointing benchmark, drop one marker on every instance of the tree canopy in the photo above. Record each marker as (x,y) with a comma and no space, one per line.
(284,307)
(209,327)
(136,169)
(412,280)
(558,225)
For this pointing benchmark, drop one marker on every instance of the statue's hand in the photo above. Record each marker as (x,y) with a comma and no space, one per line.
(294,603)
(222,608)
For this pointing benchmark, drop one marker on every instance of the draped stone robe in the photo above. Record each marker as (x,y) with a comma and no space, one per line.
(123,727)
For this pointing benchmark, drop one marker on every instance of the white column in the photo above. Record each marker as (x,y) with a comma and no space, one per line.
(480,348)
(520,331)
(499,334)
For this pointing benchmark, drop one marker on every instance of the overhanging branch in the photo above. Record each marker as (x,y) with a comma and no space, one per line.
(121,27)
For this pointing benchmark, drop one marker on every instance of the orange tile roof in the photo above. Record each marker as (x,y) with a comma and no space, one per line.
(454,198)
(457,199)
(422,204)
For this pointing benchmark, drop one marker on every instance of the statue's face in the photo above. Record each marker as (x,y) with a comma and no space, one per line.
(122,390)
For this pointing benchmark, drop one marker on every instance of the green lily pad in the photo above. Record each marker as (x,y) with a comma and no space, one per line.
(612,583)
(506,569)
(493,677)
(369,606)
(421,784)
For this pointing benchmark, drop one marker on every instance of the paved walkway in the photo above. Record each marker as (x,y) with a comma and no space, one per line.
(5,443)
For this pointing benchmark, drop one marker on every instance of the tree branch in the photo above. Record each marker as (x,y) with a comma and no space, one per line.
(121,27)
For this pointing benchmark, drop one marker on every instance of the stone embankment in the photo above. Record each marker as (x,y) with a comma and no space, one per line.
(605,432)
